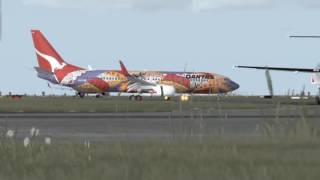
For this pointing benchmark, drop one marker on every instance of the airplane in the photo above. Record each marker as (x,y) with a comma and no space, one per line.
(315,77)
(315,72)
(53,68)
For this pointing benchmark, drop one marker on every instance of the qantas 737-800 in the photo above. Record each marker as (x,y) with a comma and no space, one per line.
(160,83)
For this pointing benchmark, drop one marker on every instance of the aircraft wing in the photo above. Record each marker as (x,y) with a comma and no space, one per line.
(281,69)
(140,85)
(134,79)
(140,81)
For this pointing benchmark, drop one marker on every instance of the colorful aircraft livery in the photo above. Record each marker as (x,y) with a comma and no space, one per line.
(57,71)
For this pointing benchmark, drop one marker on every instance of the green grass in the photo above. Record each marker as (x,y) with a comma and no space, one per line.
(213,158)
(122,104)
(281,152)
(284,150)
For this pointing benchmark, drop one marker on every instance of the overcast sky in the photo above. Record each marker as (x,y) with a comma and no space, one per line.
(210,35)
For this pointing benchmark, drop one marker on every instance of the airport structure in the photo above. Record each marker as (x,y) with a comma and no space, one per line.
(158,83)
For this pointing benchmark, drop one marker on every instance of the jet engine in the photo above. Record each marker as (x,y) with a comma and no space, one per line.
(164,90)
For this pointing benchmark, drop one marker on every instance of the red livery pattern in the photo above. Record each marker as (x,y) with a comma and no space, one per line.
(99,84)
(48,58)
(181,83)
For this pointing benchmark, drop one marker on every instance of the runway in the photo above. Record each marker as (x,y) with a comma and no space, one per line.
(136,126)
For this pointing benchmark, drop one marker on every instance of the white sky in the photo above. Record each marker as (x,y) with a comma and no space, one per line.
(211,35)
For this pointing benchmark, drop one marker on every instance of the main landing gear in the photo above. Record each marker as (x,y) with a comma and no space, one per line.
(81,95)
(101,95)
(137,97)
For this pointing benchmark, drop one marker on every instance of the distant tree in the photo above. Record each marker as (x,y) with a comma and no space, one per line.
(65,94)
(0,93)
(43,93)
(10,93)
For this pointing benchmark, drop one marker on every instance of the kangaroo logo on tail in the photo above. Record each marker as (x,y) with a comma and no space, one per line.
(48,58)
(54,63)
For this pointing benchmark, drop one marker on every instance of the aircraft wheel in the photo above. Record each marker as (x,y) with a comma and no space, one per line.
(131,97)
(138,98)
(98,96)
(81,95)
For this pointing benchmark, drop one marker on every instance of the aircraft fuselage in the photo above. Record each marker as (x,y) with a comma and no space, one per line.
(100,81)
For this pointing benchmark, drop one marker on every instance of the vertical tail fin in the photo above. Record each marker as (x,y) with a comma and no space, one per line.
(48,58)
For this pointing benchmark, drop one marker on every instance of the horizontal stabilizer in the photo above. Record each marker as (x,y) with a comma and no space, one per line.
(43,74)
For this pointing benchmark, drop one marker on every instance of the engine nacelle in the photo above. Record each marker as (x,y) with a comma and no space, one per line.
(164,90)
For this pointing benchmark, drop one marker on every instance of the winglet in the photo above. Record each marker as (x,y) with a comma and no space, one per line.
(123,69)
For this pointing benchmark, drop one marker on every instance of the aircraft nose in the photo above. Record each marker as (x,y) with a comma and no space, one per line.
(233,85)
